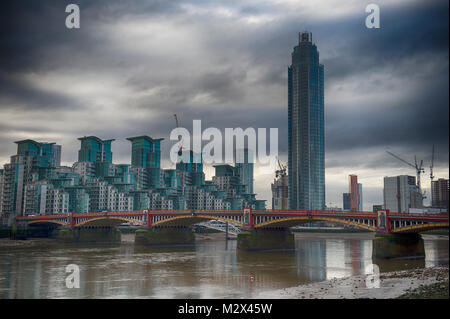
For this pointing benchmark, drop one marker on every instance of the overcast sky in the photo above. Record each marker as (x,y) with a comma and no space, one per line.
(133,64)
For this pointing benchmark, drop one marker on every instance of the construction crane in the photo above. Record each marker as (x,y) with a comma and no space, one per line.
(432,164)
(180,151)
(280,187)
(282,170)
(419,169)
(431,173)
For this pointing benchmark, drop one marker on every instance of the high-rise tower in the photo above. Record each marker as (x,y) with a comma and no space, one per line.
(306,127)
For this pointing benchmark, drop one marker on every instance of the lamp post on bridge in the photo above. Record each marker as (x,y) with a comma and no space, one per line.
(71,220)
(383,224)
(147,219)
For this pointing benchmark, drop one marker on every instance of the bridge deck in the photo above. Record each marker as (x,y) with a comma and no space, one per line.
(248,218)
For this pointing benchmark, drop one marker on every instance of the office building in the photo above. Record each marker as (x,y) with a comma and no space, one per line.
(346,201)
(360,197)
(375,208)
(401,193)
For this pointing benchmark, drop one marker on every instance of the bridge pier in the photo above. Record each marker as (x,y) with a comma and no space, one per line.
(22,231)
(161,236)
(89,234)
(18,231)
(387,246)
(266,239)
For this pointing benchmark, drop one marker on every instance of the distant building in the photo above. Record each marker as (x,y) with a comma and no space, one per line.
(353,190)
(280,195)
(401,193)
(439,192)
(333,208)
(346,201)
(360,197)
(244,166)
(355,194)
(377,207)
(427,210)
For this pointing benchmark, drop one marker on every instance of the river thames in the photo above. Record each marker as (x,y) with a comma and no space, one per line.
(211,269)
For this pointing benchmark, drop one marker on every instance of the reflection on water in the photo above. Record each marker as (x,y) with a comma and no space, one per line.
(211,269)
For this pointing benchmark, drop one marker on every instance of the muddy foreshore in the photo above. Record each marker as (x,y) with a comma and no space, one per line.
(392,285)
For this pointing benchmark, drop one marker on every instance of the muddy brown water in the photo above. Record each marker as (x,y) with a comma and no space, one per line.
(211,269)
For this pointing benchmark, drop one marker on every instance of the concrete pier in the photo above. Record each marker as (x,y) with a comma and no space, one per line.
(23,231)
(165,236)
(266,239)
(398,246)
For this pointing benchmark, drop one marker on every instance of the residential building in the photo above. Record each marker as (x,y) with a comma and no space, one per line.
(2,178)
(34,182)
(93,149)
(353,190)
(34,161)
(439,193)
(244,165)
(146,160)
(306,145)
(360,198)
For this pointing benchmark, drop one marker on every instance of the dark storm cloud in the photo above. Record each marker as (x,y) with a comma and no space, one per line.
(225,86)
(406,32)
(30,98)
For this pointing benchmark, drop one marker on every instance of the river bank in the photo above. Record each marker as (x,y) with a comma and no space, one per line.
(434,291)
(407,283)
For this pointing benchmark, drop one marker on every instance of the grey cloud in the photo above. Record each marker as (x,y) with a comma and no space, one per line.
(244,72)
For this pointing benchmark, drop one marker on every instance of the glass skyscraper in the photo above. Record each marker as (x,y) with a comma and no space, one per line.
(306,127)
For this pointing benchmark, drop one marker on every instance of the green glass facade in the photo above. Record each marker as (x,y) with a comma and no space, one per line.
(94,149)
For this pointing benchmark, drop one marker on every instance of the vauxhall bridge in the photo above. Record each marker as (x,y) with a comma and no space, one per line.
(264,229)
